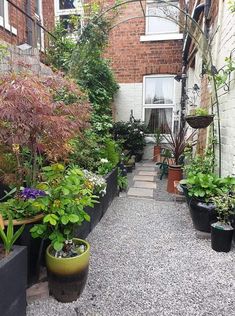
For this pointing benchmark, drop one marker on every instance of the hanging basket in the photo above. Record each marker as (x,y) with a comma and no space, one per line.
(199,121)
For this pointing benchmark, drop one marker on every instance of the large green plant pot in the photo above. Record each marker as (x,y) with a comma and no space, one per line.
(67,276)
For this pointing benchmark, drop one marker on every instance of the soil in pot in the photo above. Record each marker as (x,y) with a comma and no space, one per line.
(175,173)
(203,214)
(221,237)
(67,276)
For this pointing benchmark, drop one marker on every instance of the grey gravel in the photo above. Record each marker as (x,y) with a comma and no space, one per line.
(146,260)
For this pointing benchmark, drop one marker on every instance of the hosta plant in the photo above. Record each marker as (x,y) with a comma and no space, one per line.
(67,194)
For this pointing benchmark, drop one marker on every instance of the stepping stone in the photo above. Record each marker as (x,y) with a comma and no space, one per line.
(146,168)
(149,164)
(143,178)
(145,184)
(140,192)
(147,173)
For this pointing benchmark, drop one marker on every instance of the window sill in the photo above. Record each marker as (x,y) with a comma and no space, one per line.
(161,37)
(8,27)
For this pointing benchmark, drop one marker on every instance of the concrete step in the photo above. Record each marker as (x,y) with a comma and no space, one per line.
(139,192)
(145,184)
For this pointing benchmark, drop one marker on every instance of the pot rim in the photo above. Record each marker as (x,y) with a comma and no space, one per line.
(199,116)
(71,258)
(222,225)
(28,220)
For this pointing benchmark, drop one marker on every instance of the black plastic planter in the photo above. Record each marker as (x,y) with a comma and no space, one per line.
(99,209)
(13,276)
(203,214)
(185,190)
(221,240)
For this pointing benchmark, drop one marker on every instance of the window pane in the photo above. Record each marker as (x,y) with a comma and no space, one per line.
(157,24)
(70,22)
(159,90)
(158,119)
(67,4)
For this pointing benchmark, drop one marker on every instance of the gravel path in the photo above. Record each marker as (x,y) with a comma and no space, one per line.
(146,260)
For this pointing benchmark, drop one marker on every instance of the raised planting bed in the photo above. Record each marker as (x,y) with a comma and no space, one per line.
(13,276)
(99,209)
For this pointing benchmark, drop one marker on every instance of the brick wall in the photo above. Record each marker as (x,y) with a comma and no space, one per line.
(132,59)
(18,20)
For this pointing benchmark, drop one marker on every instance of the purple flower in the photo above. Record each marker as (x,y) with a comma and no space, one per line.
(30,193)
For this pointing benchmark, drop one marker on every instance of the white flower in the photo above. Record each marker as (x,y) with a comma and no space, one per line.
(104,160)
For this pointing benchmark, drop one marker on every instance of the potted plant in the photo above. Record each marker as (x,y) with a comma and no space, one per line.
(177,142)
(222,231)
(67,258)
(13,271)
(23,207)
(157,148)
(201,189)
(200,118)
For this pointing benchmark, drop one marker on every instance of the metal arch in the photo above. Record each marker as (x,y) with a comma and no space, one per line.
(208,50)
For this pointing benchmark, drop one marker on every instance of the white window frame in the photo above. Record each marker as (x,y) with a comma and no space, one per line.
(39,18)
(4,21)
(159,36)
(77,11)
(160,106)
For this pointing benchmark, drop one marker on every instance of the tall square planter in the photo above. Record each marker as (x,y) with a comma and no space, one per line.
(13,278)
(111,190)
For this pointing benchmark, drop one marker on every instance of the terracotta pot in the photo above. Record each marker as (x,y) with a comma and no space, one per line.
(175,173)
(156,153)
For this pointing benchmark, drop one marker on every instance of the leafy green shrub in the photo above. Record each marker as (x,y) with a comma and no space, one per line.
(68,192)
(131,134)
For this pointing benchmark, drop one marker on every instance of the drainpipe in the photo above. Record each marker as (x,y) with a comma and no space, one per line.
(29,23)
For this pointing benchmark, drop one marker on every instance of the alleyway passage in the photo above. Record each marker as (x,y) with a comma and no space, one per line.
(147,260)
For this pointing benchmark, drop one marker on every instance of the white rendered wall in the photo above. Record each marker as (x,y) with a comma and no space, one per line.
(129,97)
(224,43)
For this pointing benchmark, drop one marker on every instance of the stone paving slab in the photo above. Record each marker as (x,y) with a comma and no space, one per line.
(143,178)
(147,173)
(151,169)
(145,184)
(139,192)
(149,164)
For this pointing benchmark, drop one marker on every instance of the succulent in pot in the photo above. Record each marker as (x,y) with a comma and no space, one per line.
(222,231)
(67,258)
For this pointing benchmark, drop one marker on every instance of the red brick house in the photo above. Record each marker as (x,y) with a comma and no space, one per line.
(146,55)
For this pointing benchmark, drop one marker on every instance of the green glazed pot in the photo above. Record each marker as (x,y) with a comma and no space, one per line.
(67,276)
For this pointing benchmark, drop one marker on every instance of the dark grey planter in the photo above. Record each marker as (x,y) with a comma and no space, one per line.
(13,276)
(203,214)
(99,209)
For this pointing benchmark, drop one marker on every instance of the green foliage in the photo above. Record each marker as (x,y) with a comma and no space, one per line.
(158,136)
(111,151)
(200,163)
(225,205)
(61,49)
(231,4)
(122,180)
(68,193)
(20,209)
(131,135)
(3,51)
(201,112)
(9,238)
(206,186)
(90,68)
